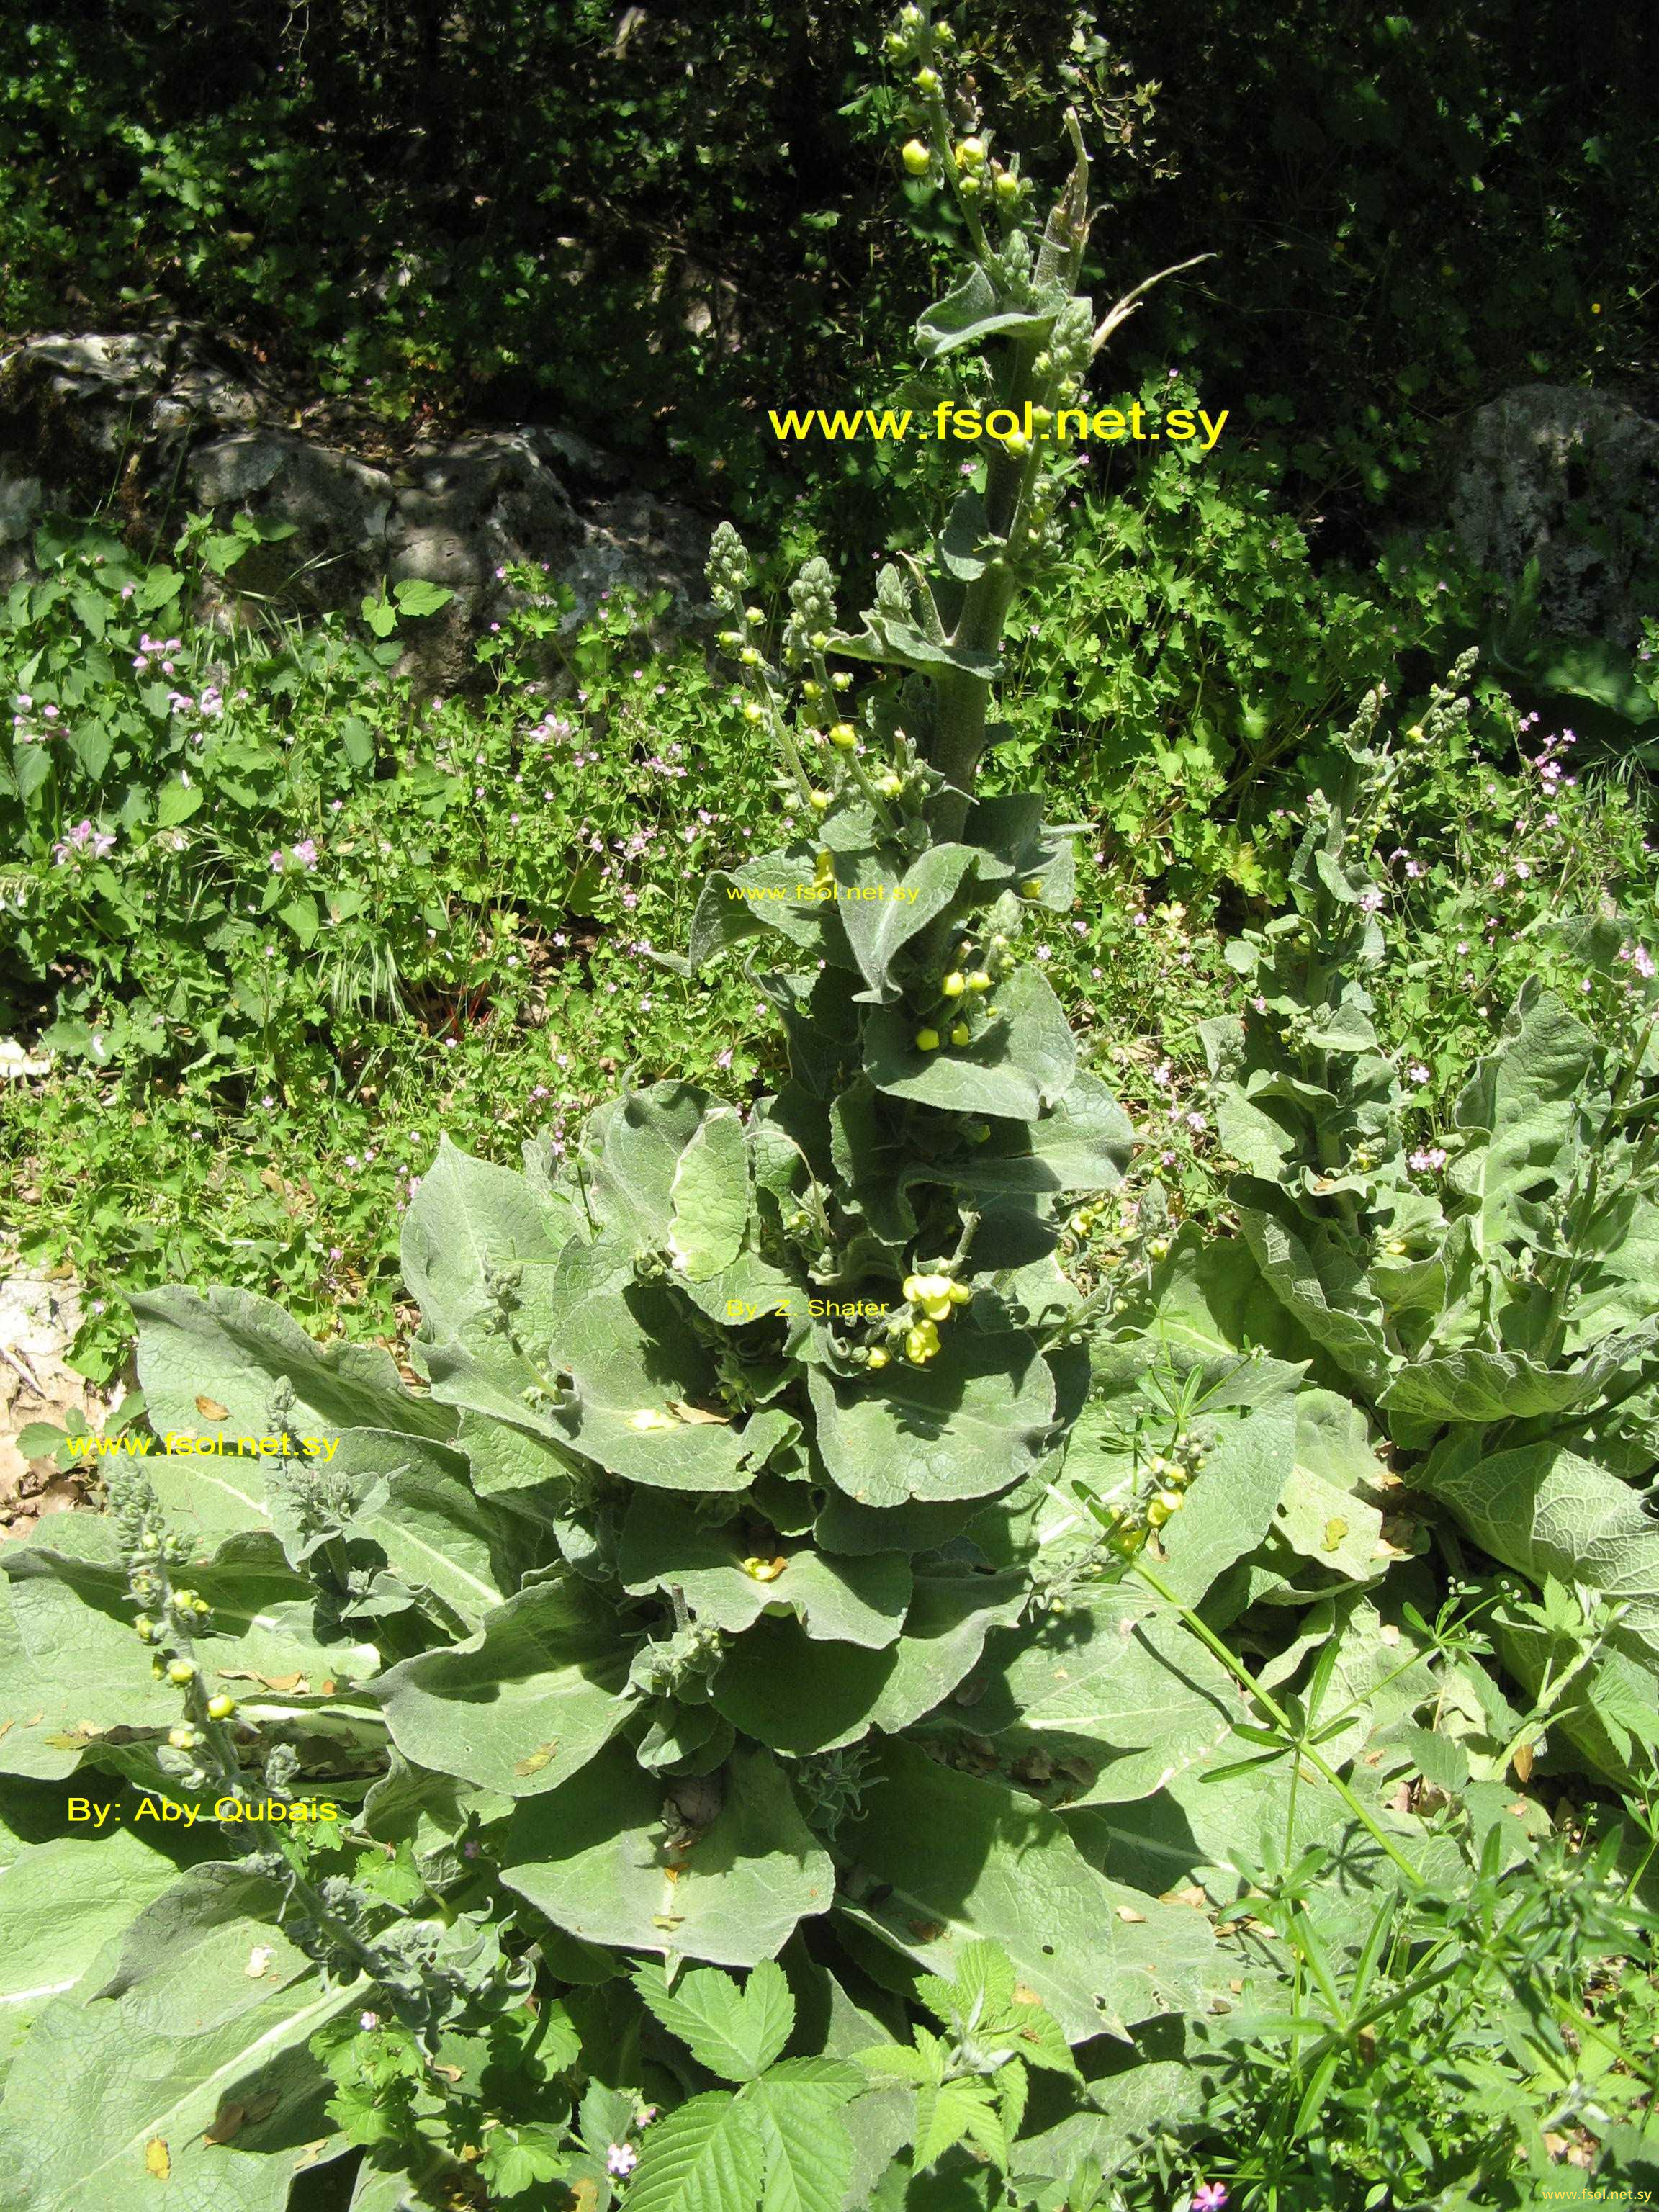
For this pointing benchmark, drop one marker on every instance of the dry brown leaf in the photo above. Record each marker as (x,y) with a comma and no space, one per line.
(696,1415)
(1128,1913)
(158,2161)
(210,1409)
(533,1761)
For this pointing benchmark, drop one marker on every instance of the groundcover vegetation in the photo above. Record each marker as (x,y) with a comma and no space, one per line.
(868,1659)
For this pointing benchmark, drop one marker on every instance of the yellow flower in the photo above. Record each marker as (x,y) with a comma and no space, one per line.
(922,1342)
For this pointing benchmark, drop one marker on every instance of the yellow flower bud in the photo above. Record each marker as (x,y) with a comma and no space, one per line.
(979,980)
(890,785)
(844,735)
(959,1294)
(926,80)
(221,1707)
(970,153)
(752,712)
(916,157)
(927,1040)
(1031,888)
(878,1357)
(1171,1500)
(962,1034)
(818,801)
(181,1671)
(954,984)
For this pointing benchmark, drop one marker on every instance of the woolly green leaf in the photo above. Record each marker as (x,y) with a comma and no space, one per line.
(973,1420)
(469,1215)
(964,1859)
(1547,1510)
(233,1347)
(880,915)
(1120,1685)
(1522,1098)
(524,1702)
(1473,1385)
(801,1698)
(665,1542)
(1024,1060)
(182,2033)
(69,1670)
(710,1197)
(416,1504)
(972,313)
(596,1857)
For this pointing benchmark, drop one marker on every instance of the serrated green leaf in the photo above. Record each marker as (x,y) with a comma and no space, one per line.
(705,2157)
(735,2030)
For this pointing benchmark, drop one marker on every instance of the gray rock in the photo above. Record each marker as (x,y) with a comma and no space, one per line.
(1569,478)
(154,420)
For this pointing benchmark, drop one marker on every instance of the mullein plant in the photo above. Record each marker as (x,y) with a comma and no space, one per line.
(782,1560)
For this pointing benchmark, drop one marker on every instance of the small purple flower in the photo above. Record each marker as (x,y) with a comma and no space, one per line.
(1209,2196)
(1417,1073)
(621,2159)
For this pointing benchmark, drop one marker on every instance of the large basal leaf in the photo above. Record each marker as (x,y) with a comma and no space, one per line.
(1473,1385)
(231,1348)
(466,1217)
(801,1698)
(522,1704)
(1229,1506)
(186,2085)
(1309,1268)
(597,1857)
(666,1544)
(971,1422)
(1545,1509)
(1082,1142)
(632,1360)
(630,1149)
(111,1873)
(69,1670)
(416,1504)
(710,1197)
(964,1859)
(1025,1061)
(1323,1513)
(1521,1096)
(1122,1686)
